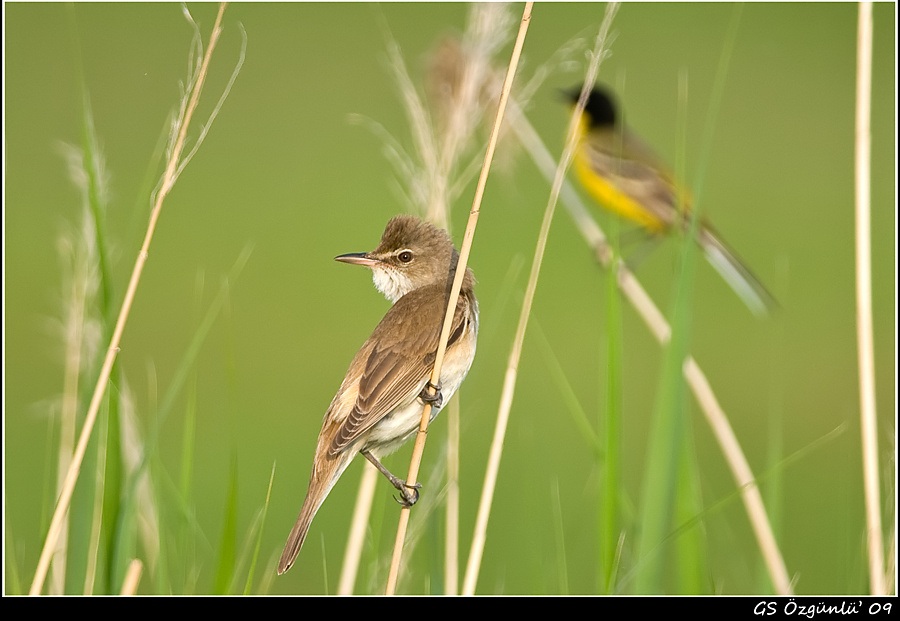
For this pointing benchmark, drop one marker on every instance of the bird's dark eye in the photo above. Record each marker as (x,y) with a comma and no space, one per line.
(405,256)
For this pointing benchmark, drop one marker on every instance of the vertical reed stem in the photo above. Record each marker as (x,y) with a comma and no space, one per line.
(462,262)
(112,351)
(864,329)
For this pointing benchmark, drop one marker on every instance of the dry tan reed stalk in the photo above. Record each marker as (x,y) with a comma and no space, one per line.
(132,577)
(451,539)
(462,262)
(74,335)
(743,475)
(73,340)
(168,179)
(864,329)
(79,329)
(890,569)
(659,327)
(479,537)
(358,526)
(434,172)
(654,319)
(656,322)
(90,573)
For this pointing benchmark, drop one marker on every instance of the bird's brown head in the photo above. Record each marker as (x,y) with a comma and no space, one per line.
(412,254)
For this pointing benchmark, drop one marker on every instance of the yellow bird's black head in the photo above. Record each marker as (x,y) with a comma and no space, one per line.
(600,108)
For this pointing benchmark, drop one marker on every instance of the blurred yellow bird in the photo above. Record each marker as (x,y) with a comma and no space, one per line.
(624,175)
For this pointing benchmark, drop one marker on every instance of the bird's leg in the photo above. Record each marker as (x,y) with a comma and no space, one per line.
(432,394)
(635,245)
(409,493)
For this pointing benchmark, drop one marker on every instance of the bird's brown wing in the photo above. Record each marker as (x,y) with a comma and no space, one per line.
(400,361)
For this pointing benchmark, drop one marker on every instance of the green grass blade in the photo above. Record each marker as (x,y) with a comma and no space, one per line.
(579,416)
(773,492)
(560,539)
(692,574)
(227,545)
(95,198)
(611,433)
(12,577)
(190,413)
(112,491)
(660,478)
(180,377)
(259,533)
(670,428)
(81,516)
(667,434)
(96,201)
(96,191)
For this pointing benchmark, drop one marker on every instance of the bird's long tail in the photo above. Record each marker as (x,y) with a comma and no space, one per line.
(736,273)
(325,474)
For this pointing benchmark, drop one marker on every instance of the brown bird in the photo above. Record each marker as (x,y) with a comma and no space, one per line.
(379,404)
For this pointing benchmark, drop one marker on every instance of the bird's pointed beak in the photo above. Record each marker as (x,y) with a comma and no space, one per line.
(357,258)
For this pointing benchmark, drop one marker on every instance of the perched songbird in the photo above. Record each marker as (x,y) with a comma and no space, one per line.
(624,175)
(379,404)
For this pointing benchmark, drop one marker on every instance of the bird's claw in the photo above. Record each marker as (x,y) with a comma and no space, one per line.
(409,494)
(432,394)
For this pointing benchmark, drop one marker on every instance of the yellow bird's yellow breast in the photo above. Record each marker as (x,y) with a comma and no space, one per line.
(611,197)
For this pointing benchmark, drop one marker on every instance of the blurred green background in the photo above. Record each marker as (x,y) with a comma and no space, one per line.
(285,172)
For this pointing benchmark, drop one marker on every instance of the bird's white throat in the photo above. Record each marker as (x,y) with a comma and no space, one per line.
(391,283)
